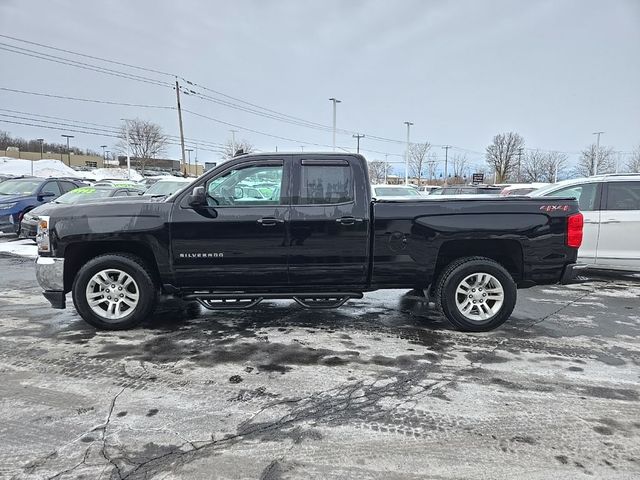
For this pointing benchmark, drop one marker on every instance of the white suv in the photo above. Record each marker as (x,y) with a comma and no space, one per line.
(611,208)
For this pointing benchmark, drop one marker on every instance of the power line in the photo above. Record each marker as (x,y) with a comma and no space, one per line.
(106,102)
(109,127)
(85,66)
(93,57)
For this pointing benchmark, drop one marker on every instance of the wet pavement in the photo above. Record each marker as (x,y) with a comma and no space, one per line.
(381,388)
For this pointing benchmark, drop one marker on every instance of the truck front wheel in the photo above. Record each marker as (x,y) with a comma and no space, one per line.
(114,292)
(476,294)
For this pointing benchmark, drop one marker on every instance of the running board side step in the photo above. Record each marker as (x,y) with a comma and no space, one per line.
(241,301)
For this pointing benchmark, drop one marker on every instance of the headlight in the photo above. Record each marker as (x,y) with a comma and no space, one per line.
(7,205)
(28,216)
(42,236)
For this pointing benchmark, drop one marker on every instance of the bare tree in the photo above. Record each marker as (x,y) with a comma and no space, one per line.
(145,140)
(231,149)
(594,161)
(417,159)
(500,154)
(555,163)
(378,171)
(534,166)
(633,165)
(459,165)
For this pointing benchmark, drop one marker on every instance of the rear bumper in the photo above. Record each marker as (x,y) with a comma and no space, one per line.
(50,276)
(570,272)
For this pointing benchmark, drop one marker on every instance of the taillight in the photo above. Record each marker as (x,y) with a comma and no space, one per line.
(575,224)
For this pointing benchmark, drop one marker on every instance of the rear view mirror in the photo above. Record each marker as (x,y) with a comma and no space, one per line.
(197,197)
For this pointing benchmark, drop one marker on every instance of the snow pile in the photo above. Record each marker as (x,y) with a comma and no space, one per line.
(41,168)
(114,173)
(22,248)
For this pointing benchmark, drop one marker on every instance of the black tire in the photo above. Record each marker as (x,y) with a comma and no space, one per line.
(132,266)
(455,273)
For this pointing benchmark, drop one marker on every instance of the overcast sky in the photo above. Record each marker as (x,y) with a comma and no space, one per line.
(555,71)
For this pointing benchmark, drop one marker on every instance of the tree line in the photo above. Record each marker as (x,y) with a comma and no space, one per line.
(508,160)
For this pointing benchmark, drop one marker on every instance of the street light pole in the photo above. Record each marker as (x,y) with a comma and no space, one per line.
(386,167)
(406,155)
(446,163)
(68,151)
(233,142)
(189,150)
(597,153)
(335,101)
(103,150)
(358,136)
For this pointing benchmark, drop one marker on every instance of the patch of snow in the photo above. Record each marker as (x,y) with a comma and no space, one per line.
(41,168)
(114,173)
(22,248)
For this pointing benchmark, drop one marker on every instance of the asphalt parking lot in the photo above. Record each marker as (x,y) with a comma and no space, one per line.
(379,389)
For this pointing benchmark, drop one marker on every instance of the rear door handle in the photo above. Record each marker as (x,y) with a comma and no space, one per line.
(348,220)
(611,221)
(269,221)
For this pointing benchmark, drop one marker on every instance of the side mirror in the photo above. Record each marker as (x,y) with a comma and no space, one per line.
(238,192)
(44,195)
(197,197)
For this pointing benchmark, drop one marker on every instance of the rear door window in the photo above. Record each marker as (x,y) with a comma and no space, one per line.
(67,186)
(623,196)
(325,184)
(585,194)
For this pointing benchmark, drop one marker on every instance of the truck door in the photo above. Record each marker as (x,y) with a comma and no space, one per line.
(239,238)
(618,245)
(329,223)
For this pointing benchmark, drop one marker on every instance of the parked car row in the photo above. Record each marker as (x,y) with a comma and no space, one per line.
(22,199)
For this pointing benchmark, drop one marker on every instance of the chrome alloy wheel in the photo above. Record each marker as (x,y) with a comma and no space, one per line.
(479,296)
(112,294)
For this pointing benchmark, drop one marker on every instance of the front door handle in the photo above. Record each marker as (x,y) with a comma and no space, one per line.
(269,221)
(348,220)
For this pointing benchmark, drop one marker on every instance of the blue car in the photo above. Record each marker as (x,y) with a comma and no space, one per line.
(19,195)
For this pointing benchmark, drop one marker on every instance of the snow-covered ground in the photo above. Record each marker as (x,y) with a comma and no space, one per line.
(114,173)
(22,248)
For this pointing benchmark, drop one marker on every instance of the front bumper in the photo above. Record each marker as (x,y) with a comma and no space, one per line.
(50,276)
(28,230)
(7,224)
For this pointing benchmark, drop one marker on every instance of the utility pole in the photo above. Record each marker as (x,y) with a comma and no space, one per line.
(358,136)
(386,167)
(446,163)
(189,150)
(103,153)
(181,129)
(68,151)
(126,122)
(596,154)
(520,149)
(302,148)
(335,101)
(41,142)
(406,155)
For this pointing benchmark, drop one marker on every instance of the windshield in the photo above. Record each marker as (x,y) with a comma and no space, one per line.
(84,194)
(396,192)
(19,187)
(165,188)
(544,191)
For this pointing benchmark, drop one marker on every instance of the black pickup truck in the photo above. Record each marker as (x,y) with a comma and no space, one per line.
(302,226)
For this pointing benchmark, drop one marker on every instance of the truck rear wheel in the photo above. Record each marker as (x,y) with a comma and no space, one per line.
(114,292)
(476,294)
